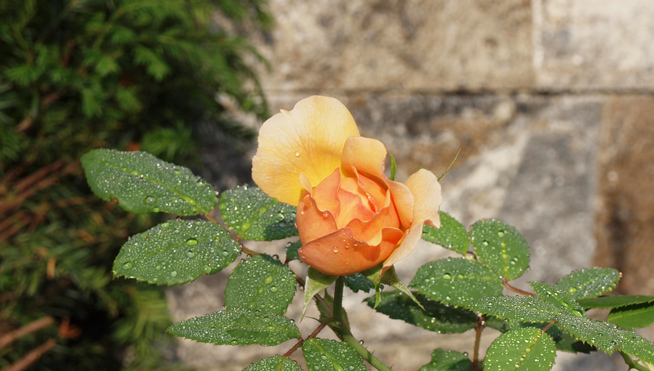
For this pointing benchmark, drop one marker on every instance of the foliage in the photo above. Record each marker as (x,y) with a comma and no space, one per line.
(451,295)
(82,74)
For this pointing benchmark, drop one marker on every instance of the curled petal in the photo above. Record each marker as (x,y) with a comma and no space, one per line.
(367,156)
(312,223)
(340,254)
(426,191)
(307,140)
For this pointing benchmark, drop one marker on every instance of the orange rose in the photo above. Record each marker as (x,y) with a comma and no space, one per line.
(350,216)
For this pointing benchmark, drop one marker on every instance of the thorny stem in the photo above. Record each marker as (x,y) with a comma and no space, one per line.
(630,362)
(478,330)
(515,289)
(344,333)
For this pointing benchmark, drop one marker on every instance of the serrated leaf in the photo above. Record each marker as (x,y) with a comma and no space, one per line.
(255,216)
(456,281)
(434,317)
(292,250)
(637,346)
(358,282)
(326,355)
(525,349)
(316,282)
(516,308)
(587,283)
(616,301)
(602,335)
(236,326)
(176,252)
(261,283)
(564,341)
(142,183)
(451,235)
(500,247)
(276,363)
(451,360)
(554,296)
(633,316)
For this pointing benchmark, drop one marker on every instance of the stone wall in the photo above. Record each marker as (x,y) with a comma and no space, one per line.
(550,102)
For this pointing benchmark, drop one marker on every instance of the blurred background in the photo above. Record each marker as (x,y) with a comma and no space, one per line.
(550,102)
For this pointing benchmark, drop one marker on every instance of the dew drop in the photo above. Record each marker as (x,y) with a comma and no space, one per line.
(207,268)
(268,280)
(173,274)
(127,265)
(192,241)
(297,154)
(225,253)
(234,342)
(190,253)
(500,233)
(149,200)
(335,249)
(485,242)
(273,289)
(447,276)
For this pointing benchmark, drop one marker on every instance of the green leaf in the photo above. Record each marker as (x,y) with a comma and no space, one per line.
(602,335)
(637,346)
(254,215)
(261,283)
(500,247)
(326,355)
(552,295)
(142,183)
(587,283)
(451,235)
(524,349)
(316,282)
(276,363)
(564,341)
(616,301)
(176,252)
(236,326)
(434,317)
(633,316)
(393,166)
(456,281)
(451,360)
(516,308)
(358,282)
(292,250)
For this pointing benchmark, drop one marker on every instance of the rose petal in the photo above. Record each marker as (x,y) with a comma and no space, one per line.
(367,156)
(340,254)
(312,223)
(309,139)
(428,197)
(371,230)
(325,194)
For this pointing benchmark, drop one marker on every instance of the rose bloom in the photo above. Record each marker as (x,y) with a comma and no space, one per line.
(350,216)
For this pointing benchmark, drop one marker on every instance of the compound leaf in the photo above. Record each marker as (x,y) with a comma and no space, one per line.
(500,247)
(176,252)
(451,235)
(142,183)
(327,355)
(235,326)
(456,281)
(255,216)
(261,283)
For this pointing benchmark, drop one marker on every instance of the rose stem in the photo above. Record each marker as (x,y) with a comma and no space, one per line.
(345,334)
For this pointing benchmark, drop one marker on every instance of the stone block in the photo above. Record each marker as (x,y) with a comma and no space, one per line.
(423,45)
(591,45)
(626,193)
